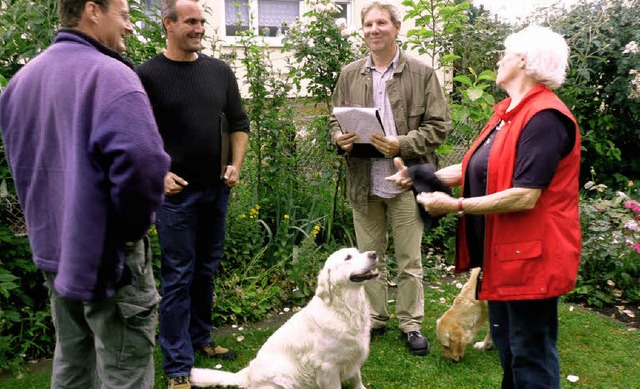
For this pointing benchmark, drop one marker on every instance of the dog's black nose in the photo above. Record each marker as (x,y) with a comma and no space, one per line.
(372,255)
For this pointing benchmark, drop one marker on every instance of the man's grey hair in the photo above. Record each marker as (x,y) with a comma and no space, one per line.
(71,10)
(384,5)
(168,9)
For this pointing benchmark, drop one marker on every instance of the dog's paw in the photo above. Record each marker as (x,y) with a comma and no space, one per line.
(482,346)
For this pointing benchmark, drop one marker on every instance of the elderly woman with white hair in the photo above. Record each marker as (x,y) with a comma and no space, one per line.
(519,207)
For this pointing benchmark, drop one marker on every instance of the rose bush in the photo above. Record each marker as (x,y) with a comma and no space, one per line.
(610,267)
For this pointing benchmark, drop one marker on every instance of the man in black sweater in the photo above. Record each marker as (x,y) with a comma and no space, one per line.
(198,108)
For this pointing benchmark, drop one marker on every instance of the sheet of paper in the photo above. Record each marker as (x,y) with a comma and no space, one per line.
(362,121)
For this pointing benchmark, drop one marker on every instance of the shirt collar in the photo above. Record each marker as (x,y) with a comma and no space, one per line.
(394,63)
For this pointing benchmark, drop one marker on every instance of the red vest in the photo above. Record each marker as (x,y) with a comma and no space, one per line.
(531,254)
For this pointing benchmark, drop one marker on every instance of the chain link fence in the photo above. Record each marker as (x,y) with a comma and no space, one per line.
(458,143)
(10,212)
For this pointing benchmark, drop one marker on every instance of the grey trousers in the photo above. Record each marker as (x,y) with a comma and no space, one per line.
(110,343)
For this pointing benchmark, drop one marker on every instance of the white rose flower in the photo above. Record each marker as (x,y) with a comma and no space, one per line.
(631,48)
(347,32)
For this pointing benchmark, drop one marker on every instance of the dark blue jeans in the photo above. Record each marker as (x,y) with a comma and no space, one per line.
(191,230)
(526,335)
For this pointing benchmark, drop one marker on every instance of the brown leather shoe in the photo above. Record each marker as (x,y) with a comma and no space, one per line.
(213,350)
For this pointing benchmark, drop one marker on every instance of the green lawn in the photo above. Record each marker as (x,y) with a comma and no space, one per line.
(603,353)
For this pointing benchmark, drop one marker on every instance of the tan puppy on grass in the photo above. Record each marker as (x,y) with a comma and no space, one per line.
(458,327)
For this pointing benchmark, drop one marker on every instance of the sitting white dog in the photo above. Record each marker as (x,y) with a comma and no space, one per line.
(321,346)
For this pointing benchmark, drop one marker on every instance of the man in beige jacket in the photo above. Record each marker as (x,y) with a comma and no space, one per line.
(416,120)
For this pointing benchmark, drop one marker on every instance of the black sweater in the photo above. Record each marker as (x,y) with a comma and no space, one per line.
(189,99)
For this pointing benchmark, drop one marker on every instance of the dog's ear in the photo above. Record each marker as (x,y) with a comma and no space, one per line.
(323,291)
(458,344)
(444,339)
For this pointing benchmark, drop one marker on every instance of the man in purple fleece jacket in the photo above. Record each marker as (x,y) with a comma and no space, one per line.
(88,165)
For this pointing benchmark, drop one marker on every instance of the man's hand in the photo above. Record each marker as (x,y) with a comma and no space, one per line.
(232,176)
(345,141)
(173,184)
(387,145)
(401,178)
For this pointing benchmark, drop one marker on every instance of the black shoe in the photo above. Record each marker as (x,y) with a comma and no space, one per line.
(379,331)
(417,343)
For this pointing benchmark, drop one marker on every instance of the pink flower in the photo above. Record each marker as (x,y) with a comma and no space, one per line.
(633,205)
(636,247)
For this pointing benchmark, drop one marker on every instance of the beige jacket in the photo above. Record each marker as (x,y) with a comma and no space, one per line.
(419,108)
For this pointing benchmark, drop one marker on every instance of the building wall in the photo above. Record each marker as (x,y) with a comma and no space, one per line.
(216,33)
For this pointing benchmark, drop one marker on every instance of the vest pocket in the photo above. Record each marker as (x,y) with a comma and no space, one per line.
(517,251)
(518,264)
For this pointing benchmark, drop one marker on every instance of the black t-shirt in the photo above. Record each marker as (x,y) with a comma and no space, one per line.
(190,100)
(544,141)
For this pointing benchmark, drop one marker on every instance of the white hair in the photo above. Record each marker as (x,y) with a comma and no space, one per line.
(546,54)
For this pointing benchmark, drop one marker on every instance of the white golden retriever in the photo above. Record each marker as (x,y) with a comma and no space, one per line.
(458,327)
(321,346)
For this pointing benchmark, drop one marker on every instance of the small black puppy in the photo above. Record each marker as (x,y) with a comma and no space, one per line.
(425,180)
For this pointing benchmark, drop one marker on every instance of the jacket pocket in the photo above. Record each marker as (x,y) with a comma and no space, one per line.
(416,110)
(354,104)
(414,116)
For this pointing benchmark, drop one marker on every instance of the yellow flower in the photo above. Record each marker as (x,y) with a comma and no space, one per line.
(286,217)
(243,216)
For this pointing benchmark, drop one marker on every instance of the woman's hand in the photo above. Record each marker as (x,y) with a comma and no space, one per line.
(437,203)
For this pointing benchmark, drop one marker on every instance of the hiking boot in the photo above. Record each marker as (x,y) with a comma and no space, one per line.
(417,343)
(378,331)
(213,350)
(181,382)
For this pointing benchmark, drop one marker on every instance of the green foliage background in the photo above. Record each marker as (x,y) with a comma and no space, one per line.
(290,210)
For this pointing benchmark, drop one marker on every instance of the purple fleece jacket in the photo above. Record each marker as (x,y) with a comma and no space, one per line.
(87,161)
